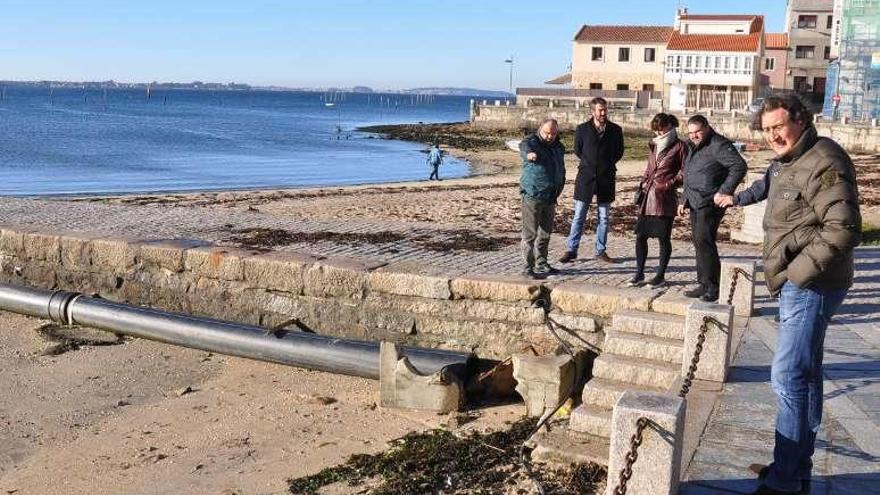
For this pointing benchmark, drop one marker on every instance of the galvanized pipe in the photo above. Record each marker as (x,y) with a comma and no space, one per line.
(301,349)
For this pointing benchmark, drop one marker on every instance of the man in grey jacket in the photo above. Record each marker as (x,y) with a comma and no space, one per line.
(713,166)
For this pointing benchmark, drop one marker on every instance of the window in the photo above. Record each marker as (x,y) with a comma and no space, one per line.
(650,54)
(807,22)
(677,61)
(623,55)
(597,53)
(819,85)
(830,22)
(769,64)
(748,65)
(648,87)
(800,83)
(804,51)
(688,61)
(595,85)
(623,87)
(827,53)
(697,61)
(726,63)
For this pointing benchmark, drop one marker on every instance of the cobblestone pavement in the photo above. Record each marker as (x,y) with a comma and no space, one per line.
(740,431)
(152,222)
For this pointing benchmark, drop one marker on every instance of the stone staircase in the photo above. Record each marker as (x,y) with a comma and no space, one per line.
(643,351)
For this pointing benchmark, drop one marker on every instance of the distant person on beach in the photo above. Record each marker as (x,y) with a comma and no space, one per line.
(656,197)
(598,143)
(435,158)
(812,224)
(541,183)
(713,166)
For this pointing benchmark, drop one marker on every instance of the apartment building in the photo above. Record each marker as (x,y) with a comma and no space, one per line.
(809,24)
(774,63)
(622,58)
(712,61)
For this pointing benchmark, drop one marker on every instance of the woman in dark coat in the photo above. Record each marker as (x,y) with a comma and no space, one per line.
(657,198)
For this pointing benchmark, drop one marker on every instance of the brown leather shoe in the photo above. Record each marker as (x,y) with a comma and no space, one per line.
(604,258)
(568,257)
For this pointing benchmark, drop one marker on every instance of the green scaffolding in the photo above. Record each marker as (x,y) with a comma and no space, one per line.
(858,72)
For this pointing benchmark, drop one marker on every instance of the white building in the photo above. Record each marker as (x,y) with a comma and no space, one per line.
(712,61)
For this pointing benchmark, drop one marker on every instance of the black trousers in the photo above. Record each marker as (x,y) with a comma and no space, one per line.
(704,230)
(653,226)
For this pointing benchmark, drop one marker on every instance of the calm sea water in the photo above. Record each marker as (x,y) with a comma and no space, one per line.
(119,141)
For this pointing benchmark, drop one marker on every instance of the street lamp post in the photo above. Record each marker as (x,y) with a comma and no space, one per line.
(510,62)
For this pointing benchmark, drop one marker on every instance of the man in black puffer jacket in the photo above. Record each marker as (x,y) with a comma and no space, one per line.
(713,166)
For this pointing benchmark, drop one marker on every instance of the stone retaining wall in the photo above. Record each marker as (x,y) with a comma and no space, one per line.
(737,127)
(346,297)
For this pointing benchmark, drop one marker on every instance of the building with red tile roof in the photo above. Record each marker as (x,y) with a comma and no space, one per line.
(712,61)
(774,63)
(619,58)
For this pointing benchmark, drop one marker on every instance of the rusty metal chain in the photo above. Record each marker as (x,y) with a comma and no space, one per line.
(634,442)
(736,273)
(692,369)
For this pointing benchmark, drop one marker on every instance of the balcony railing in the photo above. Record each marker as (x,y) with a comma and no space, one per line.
(709,72)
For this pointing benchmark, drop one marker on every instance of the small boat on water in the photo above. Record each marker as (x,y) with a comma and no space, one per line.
(513,144)
(328,104)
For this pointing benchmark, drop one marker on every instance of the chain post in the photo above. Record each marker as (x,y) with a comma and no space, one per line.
(692,369)
(632,456)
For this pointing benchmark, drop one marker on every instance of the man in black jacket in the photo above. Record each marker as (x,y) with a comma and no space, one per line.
(598,143)
(713,166)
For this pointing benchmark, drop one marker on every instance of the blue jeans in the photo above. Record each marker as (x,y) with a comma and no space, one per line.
(796,377)
(577,226)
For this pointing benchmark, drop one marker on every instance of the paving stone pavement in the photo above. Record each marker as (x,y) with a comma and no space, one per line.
(175,222)
(741,428)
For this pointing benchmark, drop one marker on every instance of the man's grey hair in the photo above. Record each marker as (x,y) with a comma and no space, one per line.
(548,120)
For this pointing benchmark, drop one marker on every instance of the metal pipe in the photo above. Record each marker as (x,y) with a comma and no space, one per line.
(301,349)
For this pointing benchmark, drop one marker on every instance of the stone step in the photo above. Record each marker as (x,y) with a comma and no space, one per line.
(646,372)
(605,393)
(638,345)
(560,445)
(594,420)
(649,323)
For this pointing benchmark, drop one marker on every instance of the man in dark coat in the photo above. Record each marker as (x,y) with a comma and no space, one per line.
(543,177)
(598,143)
(713,166)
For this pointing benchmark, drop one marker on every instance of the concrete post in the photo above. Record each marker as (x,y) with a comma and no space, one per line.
(716,348)
(658,468)
(543,381)
(874,122)
(743,297)
(550,104)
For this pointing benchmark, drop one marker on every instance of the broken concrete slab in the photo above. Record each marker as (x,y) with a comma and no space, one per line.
(543,381)
(401,386)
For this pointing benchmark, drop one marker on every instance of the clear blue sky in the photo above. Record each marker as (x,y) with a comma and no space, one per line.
(378,43)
